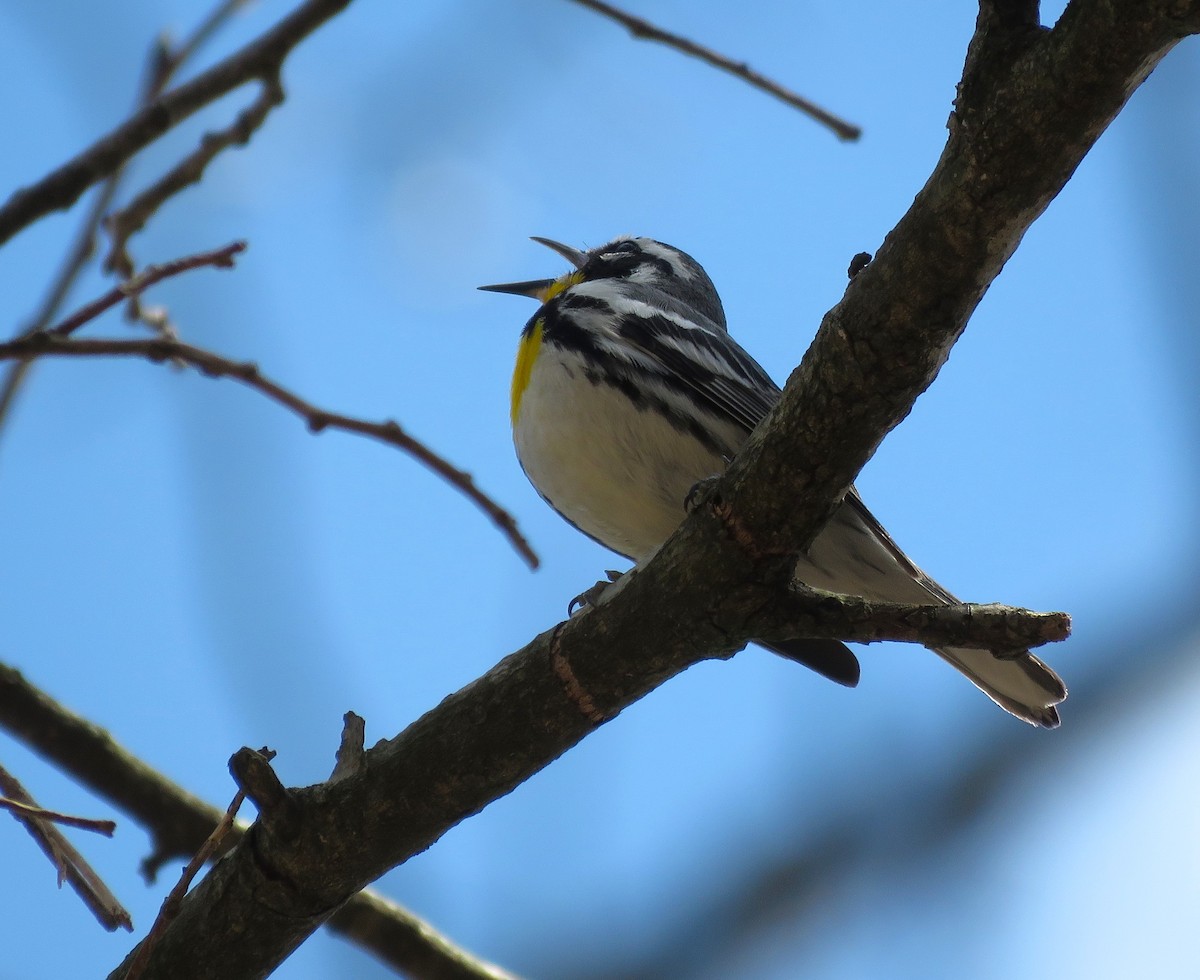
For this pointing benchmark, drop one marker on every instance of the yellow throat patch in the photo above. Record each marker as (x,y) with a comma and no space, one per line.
(527,352)
(531,341)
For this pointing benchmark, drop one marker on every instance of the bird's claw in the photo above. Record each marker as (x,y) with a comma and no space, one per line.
(589,597)
(700,493)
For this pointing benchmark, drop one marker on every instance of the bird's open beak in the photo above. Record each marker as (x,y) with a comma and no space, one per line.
(539,288)
(572,255)
(533,288)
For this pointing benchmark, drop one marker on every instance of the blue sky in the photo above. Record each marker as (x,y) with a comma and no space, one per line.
(190,568)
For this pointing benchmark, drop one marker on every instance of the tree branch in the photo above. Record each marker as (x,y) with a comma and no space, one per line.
(105,828)
(217,258)
(170,906)
(261,59)
(1012,147)
(162,64)
(645,31)
(132,218)
(68,862)
(802,612)
(179,823)
(213,365)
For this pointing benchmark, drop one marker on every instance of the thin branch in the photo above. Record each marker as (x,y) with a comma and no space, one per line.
(179,823)
(166,62)
(644,30)
(170,906)
(210,364)
(82,250)
(105,827)
(162,63)
(174,58)
(133,217)
(70,864)
(217,258)
(260,59)
(176,820)
(816,614)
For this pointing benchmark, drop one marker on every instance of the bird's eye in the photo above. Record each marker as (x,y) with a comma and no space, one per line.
(621,249)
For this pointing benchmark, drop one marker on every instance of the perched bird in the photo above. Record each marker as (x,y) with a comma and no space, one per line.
(629,390)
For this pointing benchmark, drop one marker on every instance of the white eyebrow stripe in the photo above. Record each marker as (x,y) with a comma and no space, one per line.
(668,255)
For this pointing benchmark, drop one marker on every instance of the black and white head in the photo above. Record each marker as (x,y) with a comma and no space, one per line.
(633,266)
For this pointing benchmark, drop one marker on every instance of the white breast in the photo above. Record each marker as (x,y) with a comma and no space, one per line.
(619,473)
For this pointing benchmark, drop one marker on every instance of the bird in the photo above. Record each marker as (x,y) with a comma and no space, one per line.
(628,391)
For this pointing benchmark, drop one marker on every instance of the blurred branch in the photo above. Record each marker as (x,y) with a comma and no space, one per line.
(163,62)
(105,827)
(69,863)
(210,364)
(406,943)
(261,59)
(179,823)
(789,880)
(644,30)
(133,217)
(218,258)
(176,821)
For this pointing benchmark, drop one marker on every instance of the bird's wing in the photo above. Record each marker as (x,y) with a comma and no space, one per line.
(707,364)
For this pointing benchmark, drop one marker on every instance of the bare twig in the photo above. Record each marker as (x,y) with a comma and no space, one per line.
(166,62)
(105,827)
(260,59)
(162,63)
(81,251)
(133,217)
(174,58)
(159,349)
(815,613)
(170,905)
(218,258)
(646,31)
(180,822)
(70,864)
(177,821)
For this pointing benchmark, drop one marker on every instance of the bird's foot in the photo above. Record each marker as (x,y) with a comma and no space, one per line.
(589,597)
(700,493)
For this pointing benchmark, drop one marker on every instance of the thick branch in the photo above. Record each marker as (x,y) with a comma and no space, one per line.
(260,59)
(1014,143)
(179,823)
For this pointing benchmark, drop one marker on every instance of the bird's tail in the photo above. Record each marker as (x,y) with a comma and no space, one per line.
(1022,685)
(853,554)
